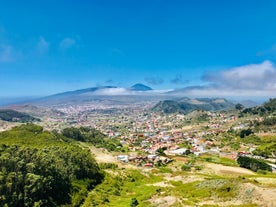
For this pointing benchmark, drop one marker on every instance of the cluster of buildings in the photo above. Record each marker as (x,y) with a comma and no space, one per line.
(141,130)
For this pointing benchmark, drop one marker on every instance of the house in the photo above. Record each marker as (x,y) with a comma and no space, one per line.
(180,151)
(122,158)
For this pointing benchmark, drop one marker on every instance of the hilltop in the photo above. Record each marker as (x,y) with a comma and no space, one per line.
(104,95)
(15,116)
(186,105)
(140,87)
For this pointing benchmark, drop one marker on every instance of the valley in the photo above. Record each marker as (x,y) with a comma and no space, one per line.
(137,103)
(171,159)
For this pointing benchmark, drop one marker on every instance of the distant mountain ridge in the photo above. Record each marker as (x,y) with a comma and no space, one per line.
(100,94)
(186,105)
(79,92)
(114,95)
(140,87)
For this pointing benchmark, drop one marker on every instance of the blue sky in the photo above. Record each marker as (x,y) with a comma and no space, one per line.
(53,46)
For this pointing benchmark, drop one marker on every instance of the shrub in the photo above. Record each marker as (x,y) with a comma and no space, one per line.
(134,202)
(253,164)
(185,167)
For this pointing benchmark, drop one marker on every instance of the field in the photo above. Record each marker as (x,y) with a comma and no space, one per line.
(211,185)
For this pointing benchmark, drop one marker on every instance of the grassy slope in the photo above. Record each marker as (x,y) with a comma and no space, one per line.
(170,186)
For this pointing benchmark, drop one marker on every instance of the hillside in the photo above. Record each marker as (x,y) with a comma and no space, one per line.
(40,168)
(15,116)
(186,105)
(268,108)
(102,95)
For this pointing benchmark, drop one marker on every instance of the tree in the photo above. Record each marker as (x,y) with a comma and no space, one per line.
(239,106)
(245,132)
(38,168)
(253,164)
(134,202)
(73,133)
(160,151)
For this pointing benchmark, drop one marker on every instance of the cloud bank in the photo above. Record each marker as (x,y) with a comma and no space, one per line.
(253,80)
(251,77)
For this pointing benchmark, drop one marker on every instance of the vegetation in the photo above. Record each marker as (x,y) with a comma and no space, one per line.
(253,164)
(218,160)
(187,105)
(124,188)
(41,168)
(91,135)
(134,202)
(267,108)
(266,150)
(245,132)
(15,116)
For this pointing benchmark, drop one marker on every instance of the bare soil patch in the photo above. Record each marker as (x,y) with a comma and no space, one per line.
(164,201)
(227,170)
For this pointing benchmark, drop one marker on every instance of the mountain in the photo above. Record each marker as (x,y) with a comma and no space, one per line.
(76,96)
(78,92)
(186,105)
(140,87)
(268,108)
(101,96)
(247,103)
(15,116)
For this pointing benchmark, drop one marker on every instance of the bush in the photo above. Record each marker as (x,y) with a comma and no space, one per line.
(253,164)
(185,167)
(245,133)
(112,166)
(134,202)
(198,167)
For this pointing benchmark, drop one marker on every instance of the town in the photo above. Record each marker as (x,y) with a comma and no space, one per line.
(146,136)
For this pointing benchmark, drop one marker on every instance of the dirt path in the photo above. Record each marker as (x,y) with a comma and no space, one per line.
(227,170)
(103,156)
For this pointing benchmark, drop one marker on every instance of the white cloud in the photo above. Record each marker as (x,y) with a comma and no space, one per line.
(125,91)
(208,91)
(112,92)
(67,43)
(42,45)
(250,77)
(254,80)
(7,53)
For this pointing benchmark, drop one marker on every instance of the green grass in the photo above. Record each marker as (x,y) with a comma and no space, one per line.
(165,170)
(219,160)
(119,190)
(244,205)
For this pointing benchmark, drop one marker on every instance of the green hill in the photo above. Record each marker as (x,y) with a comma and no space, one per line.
(40,168)
(268,108)
(15,116)
(186,105)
